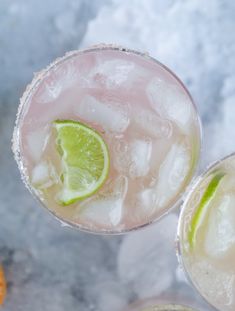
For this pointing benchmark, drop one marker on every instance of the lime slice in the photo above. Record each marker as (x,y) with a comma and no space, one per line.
(85,160)
(202,210)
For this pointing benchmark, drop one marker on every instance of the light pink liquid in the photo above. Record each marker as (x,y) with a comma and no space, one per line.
(143,113)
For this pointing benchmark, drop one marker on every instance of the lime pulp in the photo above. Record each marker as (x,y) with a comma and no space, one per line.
(85,160)
(202,208)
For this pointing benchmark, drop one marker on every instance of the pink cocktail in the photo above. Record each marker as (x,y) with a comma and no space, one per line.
(143,113)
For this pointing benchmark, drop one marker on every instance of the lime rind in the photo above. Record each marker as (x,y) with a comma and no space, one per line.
(85,160)
(202,209)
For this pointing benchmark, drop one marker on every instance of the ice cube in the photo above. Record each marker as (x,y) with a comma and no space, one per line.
(153,125)
(61,79)
(172,174)
(36,142)
(180,275)
(147,261)
(111,296)
(147,198)
(49,91)
(132,158)
(145,205)
(170,102)
(140,156)
(220,235)
(121,155)
(43,175)
(113,72)
(109,116)
(105,209)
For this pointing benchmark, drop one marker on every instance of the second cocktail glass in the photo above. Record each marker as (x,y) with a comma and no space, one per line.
(206,234)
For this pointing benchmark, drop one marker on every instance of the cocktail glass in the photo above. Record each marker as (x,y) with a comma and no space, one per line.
(206,234)
(144,114)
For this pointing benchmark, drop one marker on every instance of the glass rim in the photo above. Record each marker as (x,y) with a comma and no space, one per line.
(179,242)
(171,306)
(153,303)
(32,86)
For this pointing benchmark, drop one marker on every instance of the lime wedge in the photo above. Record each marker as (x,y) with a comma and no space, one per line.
(85,160)
(202,209)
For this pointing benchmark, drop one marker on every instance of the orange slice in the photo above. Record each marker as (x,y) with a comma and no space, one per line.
(3,287)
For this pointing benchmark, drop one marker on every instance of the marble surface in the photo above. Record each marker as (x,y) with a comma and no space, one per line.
(49,267)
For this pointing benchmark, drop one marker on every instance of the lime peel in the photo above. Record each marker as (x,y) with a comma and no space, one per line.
(206,199)
(85,160)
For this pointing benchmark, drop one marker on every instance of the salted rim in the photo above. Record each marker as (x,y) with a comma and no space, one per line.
(179,238)
(38,77)
(168,307)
